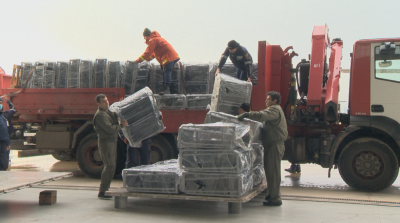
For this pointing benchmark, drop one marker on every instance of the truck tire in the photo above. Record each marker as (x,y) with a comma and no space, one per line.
(89,159)
(161,149)
(62,156)
(368,164)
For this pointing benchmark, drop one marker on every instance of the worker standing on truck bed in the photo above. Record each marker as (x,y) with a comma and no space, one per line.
(4,139)
(106,125)
(274,135)
(165,54)
(240,58)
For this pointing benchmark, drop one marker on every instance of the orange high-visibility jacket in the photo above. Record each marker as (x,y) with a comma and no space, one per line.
(158,48)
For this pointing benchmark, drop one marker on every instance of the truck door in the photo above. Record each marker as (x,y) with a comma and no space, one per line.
(385,80)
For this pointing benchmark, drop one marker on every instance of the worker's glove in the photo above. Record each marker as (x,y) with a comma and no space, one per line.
(242,116)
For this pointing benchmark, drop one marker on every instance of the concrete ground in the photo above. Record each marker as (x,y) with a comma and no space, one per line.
(312,197)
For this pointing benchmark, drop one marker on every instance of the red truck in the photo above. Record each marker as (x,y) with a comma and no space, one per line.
(363,143)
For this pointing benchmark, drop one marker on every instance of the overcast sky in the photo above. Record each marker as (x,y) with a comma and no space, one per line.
(198,30)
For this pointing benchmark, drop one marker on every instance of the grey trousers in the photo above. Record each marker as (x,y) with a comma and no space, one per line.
(273,154)
(108,153)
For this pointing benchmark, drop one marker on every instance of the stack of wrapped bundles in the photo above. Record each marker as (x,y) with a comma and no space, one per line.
(211,71)
(114,73)
(229,93)
(85,74)
(100,70)
(156,79)
(140,80)
(198,101)
(141,112)
(135,76)
(216,159)
(171,101)
(197,78)
(73,74)
(61,74)
(26,68)
(254,74)
(37,77)
(49,75)
(161,177)
(127,80)
(258,164)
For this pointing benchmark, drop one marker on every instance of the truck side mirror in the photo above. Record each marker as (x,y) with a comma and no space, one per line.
(387,48)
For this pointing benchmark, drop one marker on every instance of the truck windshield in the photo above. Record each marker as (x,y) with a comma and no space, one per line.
(387,66)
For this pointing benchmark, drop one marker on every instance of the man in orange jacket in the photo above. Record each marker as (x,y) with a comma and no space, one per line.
(165,54)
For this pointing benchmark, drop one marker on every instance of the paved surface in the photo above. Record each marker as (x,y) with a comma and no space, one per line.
(312,197)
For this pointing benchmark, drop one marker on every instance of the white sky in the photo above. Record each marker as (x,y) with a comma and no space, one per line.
(198,30)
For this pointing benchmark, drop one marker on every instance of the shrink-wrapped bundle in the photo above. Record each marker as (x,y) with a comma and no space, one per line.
(73,73)
(61,74)
(99,73)
(85,74)
(197,78)
(38,74)
(171,101)
(49,74)
(157,80)
(198,101)
(258,175)
(26,68)
(114,73)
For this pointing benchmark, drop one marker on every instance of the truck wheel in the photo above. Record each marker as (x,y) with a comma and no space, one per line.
(89,159)
(368,164)
(161,149)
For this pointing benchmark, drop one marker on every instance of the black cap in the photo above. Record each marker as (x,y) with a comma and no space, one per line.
(233,44)
(146,32)
(245,106)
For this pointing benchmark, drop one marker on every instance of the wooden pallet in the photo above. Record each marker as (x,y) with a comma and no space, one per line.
(234,204)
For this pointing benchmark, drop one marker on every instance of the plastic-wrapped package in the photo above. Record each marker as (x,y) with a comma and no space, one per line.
(255,127)
(100,70)
(85,74)
(254,74)
(49,75)
(37,76)
(162,177)
(229,69)
(113,74)
(215,161)
(61,74)
(141,112)
(198,101)
(212,68)
(258,175)
(26,68)
(156,79)
(213,136)
(141,79)
(217,184)
(73,74)
(257,154)
(196,78)
(131,69)
(229,93)
(171,101)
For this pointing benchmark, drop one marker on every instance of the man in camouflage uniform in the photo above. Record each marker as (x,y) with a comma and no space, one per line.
(273,136)
(106,125)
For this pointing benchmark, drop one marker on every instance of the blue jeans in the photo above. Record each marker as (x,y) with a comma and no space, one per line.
(168,68)
(4,156)
(241,74)
(131,154)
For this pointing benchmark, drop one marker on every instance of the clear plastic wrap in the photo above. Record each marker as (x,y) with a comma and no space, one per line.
(162,177)
(229,93)
(198,101)
(26,68)
(171,101)
(258,175)
(229,69)
(141,112)
(254,74)
(141,79)
(197,78)
(73,73)
(131,69)
(100,70)
(85,74)
(156,79)
(257,154)
(255,127)
(212,68)
(61,74)
(217,184)
(215,161)
(37,76)
(114,73)
(49,75)
(213,136)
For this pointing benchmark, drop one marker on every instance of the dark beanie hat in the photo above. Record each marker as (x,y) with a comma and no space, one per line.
(245,106)
(233,44)
(146,32)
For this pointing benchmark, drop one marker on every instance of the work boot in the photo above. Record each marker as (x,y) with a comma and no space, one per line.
(298,169)
(103,196)
(166,90)
(267,198)
(272,203)
(291,169)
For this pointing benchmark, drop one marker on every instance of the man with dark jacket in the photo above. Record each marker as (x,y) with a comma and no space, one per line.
(164,53)
(240,58)
(5,127)
(106,125)
(274,135)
